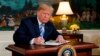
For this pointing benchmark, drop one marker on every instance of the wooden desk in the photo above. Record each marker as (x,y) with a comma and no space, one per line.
(82,49)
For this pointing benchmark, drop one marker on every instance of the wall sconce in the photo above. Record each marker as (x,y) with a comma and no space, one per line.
(64,9)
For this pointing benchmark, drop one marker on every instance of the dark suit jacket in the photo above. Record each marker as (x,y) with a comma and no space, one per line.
(29,29)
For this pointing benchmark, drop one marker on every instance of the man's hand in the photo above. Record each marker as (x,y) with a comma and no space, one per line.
(60,39)
(39,41)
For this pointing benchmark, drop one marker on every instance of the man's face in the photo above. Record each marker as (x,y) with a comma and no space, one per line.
(44,15)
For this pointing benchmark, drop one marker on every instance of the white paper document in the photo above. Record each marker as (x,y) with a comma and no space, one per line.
(53,42)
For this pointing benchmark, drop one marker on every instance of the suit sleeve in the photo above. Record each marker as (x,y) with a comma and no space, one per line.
(21,36)
(54,33)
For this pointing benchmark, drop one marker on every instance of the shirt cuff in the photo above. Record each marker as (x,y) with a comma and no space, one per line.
(32,41)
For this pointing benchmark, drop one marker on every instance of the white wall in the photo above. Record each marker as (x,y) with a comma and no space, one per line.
(5,40)
(92,36)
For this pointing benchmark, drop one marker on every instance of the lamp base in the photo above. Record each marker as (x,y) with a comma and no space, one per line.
(64,30)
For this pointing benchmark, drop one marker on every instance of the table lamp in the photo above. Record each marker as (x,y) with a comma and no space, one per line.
(64,9)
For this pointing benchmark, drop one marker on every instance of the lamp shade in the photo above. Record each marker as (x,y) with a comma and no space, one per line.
(64,9)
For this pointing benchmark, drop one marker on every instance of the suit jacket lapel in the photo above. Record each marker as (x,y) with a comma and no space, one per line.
(36,28)
(47,31)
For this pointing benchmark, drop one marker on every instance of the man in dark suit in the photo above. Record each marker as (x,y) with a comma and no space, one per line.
(29,31)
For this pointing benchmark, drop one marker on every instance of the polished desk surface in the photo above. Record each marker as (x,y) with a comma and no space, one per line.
(42,49)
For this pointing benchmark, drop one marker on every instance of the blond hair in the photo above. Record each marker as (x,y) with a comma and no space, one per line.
(45,7)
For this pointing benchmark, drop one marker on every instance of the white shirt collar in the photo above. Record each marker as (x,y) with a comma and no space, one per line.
(39,21)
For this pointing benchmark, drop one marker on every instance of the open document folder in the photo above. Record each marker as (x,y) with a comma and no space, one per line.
(53,42)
